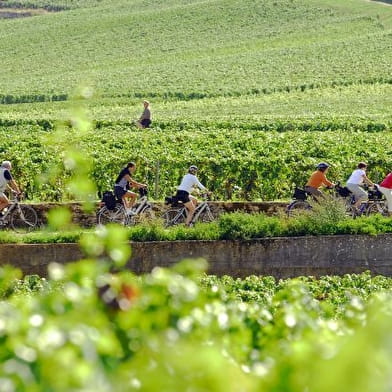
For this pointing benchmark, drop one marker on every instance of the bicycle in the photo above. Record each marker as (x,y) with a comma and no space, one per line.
(299,202)
(376,204)
(20,218)
(116,213)
(349,199)
(178,213)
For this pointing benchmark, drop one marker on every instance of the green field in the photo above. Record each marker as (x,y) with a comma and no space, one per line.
(218,73)
(234,163)
(190,49)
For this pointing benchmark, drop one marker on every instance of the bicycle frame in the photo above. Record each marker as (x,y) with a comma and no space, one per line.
(14,204)
(142,203)
(120,214)
(182,212)
(199,209)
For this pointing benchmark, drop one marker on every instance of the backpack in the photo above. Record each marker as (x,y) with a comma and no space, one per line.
(109,199)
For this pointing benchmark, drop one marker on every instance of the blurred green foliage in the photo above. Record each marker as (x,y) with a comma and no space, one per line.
(90,328)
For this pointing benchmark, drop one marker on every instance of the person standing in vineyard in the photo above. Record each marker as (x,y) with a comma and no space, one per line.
(6,180)
(317,179)
(123,182)
(357,178)
(385,188)
(145,119)
(185,188)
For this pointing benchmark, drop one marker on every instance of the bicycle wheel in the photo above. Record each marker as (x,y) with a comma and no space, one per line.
(117,215)
(351,211)
(206,216)
(174,216)
(297,206)
(23,218)
(376,208)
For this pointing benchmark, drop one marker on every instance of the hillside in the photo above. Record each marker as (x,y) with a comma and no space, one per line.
(189,49)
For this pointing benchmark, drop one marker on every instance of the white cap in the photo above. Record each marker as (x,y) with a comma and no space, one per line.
(6,164)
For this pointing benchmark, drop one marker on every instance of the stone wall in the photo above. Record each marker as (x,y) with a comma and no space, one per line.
(279,257)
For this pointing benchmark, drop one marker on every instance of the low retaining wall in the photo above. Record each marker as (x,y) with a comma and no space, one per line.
(279,257)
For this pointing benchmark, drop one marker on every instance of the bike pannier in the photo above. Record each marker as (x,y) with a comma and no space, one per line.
(109,199)
(375,194)
(299,194)
(343,191)
(172,200)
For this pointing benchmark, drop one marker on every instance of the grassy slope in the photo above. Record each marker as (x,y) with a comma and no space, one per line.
(213,48)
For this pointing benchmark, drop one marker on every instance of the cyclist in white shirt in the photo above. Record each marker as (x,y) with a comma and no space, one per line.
(6,181)
(189,181)
(358,178)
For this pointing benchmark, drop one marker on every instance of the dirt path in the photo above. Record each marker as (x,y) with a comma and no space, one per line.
(388,3)
(12,13)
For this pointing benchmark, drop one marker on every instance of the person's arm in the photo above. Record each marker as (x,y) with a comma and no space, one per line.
(199,184)
(11,182)
(14,186)
(134,183)
(326,182)
(144,115)
(366,179)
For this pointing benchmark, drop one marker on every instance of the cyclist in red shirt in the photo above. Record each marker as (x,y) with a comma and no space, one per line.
(385,187)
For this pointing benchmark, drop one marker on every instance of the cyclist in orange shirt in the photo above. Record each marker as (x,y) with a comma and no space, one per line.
(317,179)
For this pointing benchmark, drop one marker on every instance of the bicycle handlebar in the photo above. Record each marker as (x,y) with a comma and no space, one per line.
(206,195)
(17,195)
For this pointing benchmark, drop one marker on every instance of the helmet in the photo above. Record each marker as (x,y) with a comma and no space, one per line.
(322,166)
(6,164)
(193,168)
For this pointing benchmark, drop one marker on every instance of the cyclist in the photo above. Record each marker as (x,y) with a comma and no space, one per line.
(317,179)
(357,178)
(385,188)
(123,182)
(189,181)
(6,180)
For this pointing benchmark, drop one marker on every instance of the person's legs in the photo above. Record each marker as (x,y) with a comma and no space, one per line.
(4,202)
(129,199)
(388,195)
(146,123)
(191,210)
(193,200)
(359,193)
(314,192)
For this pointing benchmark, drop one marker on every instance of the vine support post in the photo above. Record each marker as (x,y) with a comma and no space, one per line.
(156,181)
